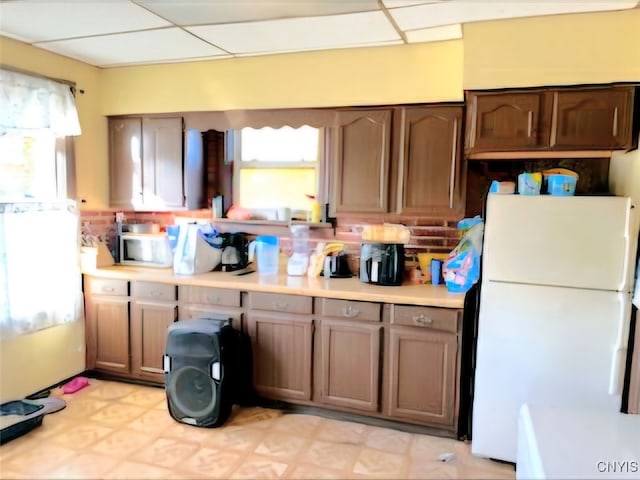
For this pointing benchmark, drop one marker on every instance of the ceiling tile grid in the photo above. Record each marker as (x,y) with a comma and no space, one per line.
(108,33)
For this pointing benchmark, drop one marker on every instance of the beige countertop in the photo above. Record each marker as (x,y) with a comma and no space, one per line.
(342,288)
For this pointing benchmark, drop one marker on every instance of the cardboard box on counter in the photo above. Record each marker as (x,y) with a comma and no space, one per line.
(95,257)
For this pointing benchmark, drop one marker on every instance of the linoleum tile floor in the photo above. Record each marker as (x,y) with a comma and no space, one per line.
(114,430)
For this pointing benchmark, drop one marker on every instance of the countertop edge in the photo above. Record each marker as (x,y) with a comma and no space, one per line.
(342,288)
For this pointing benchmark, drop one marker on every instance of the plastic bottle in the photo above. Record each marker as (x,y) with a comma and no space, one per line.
(315,210)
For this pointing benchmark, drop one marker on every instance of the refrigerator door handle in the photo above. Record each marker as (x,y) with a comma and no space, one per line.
(619,357)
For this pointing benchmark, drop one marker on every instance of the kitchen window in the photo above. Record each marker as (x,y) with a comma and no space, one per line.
(277,167)
(38,225)
(35,165)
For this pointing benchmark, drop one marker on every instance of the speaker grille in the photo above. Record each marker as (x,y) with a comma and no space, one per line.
(194,392)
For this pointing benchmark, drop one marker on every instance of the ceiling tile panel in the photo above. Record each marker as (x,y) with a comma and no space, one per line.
(435,34)
(310,33)
(465,11)
(149,46)
(237,11)
(53,20)
(101,32)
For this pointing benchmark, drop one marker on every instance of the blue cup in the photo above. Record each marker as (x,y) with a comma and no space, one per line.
(436,271)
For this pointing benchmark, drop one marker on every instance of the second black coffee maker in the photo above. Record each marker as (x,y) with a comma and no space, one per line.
(235,252)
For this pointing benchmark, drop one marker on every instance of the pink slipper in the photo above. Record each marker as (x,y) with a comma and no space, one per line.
(74,385)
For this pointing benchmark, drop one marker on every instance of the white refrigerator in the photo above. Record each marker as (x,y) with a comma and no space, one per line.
(555,308)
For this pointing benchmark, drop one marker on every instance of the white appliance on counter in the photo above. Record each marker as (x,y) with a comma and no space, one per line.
(555,308)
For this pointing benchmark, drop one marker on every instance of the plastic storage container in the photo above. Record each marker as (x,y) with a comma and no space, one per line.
(267,251)
(561,185)
(529,183)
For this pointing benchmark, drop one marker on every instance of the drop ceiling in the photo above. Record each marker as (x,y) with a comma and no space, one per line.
(121,32)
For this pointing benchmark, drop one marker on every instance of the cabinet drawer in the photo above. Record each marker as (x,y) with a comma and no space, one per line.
(106,286)
(154,291)
(209,296)
(437,318)
(350,309)
(280,303)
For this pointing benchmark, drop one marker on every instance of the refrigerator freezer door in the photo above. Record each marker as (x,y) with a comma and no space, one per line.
(547,346)
(581,242)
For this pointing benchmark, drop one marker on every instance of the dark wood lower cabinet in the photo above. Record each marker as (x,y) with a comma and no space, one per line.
(149,323)
(107,324)
(281,354)
(422,375)
(153,309)
(108,334)
(350,364)
(397,363)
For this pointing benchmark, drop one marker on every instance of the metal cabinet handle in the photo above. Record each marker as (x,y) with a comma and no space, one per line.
(422,320)
(281,305)
(615,123)
(350,311)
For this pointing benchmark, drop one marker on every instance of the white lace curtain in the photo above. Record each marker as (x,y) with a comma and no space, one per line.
(40,279)
(28,103)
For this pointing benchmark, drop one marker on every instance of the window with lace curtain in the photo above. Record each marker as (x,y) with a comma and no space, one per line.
(38,223)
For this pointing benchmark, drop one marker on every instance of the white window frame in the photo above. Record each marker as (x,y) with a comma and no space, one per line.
(320,166)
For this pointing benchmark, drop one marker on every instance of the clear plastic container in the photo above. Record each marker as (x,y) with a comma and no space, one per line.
(299,260)
(267,249)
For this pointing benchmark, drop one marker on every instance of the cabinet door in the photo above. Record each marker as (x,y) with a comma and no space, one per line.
(162,162)
(149,323)
(281,354)
(593,118)
(430,156)
(507,121)
(350,363)
(361,161)
(108,334)
(422,375)
(125,167)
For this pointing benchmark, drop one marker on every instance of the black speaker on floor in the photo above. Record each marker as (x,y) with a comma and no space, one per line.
(206,371)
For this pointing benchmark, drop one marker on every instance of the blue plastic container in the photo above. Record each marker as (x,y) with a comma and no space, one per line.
(561,185)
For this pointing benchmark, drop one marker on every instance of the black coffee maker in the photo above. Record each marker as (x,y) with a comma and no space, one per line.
(382,263)
(235,252)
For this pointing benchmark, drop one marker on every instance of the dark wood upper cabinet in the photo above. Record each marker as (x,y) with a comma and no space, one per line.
(404,160)
(503,121)
(430,159)
(550,119)
(593,118)
(361,161)
(124,145)
(146,163)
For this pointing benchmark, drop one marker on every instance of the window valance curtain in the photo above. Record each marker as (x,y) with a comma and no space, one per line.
(28,102)
(274,118)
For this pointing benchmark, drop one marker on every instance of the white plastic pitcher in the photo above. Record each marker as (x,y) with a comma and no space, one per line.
(267,248)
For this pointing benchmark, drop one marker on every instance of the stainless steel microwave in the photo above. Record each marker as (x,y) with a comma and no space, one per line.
(145,250)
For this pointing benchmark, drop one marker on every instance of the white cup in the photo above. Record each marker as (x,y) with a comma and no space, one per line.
(283,214)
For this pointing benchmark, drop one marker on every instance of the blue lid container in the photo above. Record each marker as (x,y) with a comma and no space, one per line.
(561,185)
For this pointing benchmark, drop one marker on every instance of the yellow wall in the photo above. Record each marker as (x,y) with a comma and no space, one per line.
(394,74)
(91,147)
(553,50)
(567,49)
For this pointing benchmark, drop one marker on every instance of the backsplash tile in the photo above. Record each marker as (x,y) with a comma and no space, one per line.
(427,235)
